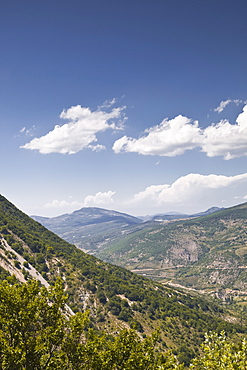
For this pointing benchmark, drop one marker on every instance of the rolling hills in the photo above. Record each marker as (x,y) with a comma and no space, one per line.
(115,297)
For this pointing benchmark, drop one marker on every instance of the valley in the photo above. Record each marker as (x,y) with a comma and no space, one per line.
(115,297)
(206,252)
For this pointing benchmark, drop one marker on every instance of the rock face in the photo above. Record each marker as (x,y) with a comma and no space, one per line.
(15,263)
(186,251)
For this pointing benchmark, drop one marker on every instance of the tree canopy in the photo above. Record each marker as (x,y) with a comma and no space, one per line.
(37,333)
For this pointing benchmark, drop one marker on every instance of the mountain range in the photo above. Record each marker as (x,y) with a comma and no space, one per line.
(178,216)
(115,297)
(91,228)
(206,251)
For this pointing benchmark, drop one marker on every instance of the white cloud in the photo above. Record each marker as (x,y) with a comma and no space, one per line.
(190,190)
(99,199)
(174,137)
(63,204)
(80,132)
(169,138)
(108,103)
(151,193)
(224,103)
(189,194)
(28,132)
(225,139)
(96,148)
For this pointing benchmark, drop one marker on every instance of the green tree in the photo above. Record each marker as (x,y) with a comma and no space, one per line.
(126,351)
(37,332)
(32,326)
(220,354)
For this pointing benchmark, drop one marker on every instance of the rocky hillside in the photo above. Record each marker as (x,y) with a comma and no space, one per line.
(116,297)
(207,253)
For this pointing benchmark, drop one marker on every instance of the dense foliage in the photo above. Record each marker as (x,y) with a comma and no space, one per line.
(221,354)
(37,333)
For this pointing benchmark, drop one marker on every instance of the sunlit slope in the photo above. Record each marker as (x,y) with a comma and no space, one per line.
(115,297)
(205,252)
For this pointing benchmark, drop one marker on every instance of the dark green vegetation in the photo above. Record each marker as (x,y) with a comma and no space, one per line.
(115,297)
(207,253)
(38,333)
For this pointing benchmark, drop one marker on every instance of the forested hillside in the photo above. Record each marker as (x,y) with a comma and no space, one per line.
(207,253)
(116,298)
(38,333)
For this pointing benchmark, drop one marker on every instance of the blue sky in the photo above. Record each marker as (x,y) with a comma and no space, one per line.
(137,106)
